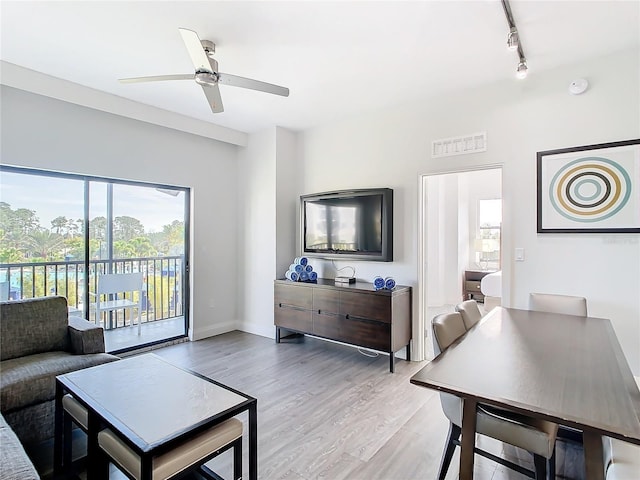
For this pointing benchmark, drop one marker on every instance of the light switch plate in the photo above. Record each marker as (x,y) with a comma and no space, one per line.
(519,255)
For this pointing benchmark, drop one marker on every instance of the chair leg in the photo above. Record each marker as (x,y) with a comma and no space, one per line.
(454,435)
(66,442)
(551,465)
(540,464)
(237,459)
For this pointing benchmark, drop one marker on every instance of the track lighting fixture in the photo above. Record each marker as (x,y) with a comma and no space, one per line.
(513,41)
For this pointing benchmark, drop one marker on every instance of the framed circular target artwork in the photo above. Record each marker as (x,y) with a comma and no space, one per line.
(590,189)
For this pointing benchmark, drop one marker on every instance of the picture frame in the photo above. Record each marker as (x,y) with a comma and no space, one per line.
(589,189)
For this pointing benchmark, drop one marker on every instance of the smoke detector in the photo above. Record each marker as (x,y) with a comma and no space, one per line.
(578,86)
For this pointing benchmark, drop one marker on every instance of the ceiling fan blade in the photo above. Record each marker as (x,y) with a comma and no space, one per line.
(242,82)
(158,78)
(196,52)
(212,92)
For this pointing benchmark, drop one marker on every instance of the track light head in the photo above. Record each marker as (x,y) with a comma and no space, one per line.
(522,70)
(513,39)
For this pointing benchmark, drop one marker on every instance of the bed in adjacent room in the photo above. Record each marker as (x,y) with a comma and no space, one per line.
(491,288)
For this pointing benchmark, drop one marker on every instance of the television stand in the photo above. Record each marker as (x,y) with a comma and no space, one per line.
(352,313)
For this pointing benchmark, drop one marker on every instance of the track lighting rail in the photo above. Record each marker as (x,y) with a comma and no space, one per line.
(514,40)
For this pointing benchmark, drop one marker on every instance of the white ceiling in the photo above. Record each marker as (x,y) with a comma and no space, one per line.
(337,58)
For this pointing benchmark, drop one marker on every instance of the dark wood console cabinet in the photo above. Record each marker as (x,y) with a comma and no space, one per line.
(354,313)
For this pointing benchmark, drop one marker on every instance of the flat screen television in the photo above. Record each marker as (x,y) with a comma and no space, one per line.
(348,224)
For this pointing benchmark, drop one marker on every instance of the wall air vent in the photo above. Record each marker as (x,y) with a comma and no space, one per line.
(446,147)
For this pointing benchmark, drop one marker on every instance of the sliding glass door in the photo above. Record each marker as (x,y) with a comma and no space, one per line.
(59,233)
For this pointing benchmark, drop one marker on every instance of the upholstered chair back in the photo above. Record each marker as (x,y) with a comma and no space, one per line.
(446,329)
(470,313)
(562,304)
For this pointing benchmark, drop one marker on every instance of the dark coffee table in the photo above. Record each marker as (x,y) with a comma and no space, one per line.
(152,404)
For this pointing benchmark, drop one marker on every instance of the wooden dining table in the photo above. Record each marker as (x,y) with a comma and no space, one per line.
(566,369)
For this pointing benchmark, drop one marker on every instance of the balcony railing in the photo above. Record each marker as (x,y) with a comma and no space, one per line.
(162,293)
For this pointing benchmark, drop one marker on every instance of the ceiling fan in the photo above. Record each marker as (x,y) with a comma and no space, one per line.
(207,75)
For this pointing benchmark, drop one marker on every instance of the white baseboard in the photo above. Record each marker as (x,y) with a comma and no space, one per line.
(212,330)
(261,329)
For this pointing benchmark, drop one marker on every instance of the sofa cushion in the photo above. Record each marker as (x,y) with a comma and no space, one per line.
(14,462)
(33,326)
(32,379)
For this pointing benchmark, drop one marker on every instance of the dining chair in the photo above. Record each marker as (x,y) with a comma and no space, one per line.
(621,459)
(563,304)
(470,313)
(536,436)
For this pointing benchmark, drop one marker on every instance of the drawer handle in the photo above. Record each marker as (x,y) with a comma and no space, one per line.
(347,316)
(319,312)
(280,305)
(478,287)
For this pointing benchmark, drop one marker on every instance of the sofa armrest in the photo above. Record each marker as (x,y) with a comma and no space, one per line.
(85,337)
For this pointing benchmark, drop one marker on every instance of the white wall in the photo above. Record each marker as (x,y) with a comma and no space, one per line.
(288,174)
(44,133)
(391,148)
(267,198)
(257,231)
(436,242)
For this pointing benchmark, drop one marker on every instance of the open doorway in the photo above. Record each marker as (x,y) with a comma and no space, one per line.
(461,240)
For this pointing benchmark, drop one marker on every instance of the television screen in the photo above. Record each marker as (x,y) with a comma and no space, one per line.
(350,223)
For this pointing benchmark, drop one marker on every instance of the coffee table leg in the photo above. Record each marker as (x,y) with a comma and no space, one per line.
(57,439)
(468,443)
(97,467)
(253,441)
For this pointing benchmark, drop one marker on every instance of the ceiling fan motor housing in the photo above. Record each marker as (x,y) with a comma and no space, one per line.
(206,78)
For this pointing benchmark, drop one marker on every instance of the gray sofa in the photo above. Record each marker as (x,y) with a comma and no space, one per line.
(38,340)
(14,462)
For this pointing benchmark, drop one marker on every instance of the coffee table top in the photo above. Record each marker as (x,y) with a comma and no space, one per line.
(150,400)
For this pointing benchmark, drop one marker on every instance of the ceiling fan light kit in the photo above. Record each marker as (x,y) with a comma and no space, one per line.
(207,74)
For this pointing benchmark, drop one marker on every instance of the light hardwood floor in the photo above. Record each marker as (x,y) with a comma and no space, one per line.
(326,411)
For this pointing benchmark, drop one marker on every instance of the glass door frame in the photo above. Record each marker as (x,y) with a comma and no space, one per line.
(110,182)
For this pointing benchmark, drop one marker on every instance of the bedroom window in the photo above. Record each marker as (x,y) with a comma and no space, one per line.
(488,233)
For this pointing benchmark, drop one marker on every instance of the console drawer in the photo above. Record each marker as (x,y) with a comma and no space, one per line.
(376,335)
(293,296)
(293,317)
(327,326)
(325,301)
(374,307)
